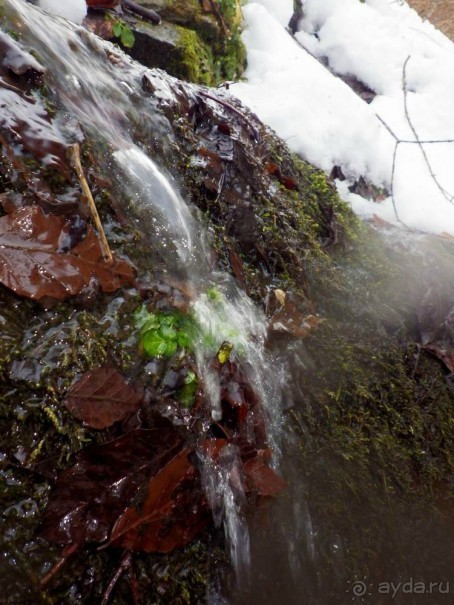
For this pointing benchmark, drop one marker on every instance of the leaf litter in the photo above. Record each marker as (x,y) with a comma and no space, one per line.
(33,265)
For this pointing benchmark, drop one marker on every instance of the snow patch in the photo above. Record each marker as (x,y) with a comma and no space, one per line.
(73,10)
(325,122)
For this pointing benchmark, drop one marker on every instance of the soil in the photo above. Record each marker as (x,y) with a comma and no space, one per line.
(438,12)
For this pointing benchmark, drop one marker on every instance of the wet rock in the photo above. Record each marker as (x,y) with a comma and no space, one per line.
(176,49)
(190,42)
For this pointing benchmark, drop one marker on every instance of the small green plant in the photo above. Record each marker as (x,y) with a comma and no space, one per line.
(124,33)
(160,334)
(214,294)
(186,395)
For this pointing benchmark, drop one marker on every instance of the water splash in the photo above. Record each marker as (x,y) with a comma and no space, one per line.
(222,484)
(143,180)
(101,87)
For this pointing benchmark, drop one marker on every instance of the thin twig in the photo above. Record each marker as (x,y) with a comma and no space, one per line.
(388,128)
(393,198)
(67,552)
(416,141)
(397,142)
(217,13)
(125,563)
(443,191)
(75,156)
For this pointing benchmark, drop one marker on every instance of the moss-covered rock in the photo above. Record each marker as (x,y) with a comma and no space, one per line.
(191,43)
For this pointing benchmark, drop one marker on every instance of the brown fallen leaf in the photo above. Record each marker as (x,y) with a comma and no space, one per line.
(32,265)
(237,266)
(88,498)
(287,181)
(102,397)
(174,512)
(23,118)
(97,24)
(260,477)
(280,296)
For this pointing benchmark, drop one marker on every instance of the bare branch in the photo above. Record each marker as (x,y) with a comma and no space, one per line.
(418,142)
(388,128)
(449,197)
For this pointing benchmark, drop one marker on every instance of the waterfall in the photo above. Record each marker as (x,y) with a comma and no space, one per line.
(101,88)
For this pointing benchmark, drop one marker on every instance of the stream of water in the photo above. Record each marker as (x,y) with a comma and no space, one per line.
(107,101)
(288,553)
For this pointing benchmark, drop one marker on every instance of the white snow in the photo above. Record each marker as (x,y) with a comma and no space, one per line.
(73,10)
(324,121)
(281,10)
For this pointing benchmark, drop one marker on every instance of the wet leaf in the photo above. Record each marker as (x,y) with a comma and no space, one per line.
(223,354)
(173,513)
(280,296)
(237,266)
(157,345)
(88,498)
(162,333)
(127,37)
(32,265)
(288,319)
(99,26)
(102,397)
(379,222)
(117,29)
(183,340)
(261,478)
(287,181)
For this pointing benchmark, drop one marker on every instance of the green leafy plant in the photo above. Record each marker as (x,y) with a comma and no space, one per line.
(124,33)
(161,334)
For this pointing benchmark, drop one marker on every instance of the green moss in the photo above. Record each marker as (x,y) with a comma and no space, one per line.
(210,55)
(176,8)
(230,59)
(196,60)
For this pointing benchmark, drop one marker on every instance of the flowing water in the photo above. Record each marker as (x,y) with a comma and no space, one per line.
(300,549)
(102,90)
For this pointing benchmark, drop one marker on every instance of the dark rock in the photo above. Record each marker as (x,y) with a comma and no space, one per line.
(173,48)
(189,43)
